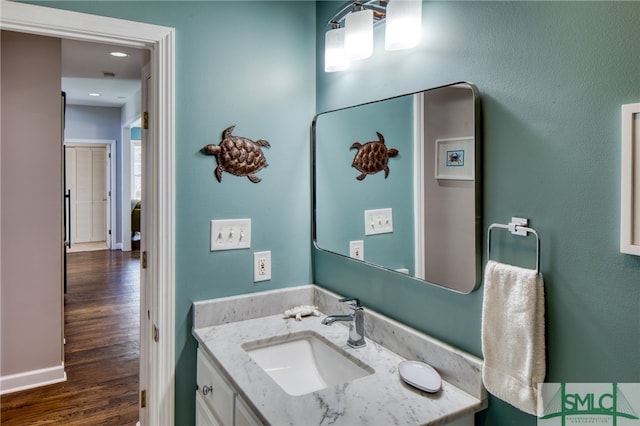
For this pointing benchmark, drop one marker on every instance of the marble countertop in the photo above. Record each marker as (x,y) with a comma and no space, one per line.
(380,398)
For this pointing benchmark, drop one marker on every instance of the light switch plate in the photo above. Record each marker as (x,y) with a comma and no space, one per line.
(378,221)
(230,234)
(261,266)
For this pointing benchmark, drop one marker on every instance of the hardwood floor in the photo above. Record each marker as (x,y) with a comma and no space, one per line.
(101,351)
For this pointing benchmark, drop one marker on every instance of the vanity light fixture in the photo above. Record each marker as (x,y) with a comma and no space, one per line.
(358,35)
(351,33)
(335,55)
(404,24)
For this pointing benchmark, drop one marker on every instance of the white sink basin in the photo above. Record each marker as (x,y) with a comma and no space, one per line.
(305,362)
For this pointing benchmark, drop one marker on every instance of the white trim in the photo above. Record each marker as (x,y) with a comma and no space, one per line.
(629,191)
(162,225)
(418,183)
(146,323)
(125,188)
(160,214)
(32,379)
(76,141)
(112,145)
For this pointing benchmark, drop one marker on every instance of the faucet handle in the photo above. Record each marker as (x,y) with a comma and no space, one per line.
(354,302)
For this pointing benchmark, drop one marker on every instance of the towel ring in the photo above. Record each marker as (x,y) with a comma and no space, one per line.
(512,227)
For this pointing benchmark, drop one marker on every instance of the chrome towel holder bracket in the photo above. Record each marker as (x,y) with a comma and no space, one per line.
(517,226)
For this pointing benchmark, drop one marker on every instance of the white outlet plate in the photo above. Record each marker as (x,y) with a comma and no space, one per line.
(378,221)
(230,234)
(261,266)
(356,249)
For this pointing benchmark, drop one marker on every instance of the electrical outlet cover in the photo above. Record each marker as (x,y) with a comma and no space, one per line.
(356,249)
(261,266)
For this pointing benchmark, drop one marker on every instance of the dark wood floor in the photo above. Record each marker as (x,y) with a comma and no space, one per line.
(101,351)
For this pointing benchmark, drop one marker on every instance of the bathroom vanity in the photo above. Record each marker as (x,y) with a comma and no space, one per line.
(362,385)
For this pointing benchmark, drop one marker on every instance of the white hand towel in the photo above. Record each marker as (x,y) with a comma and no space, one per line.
(513,334)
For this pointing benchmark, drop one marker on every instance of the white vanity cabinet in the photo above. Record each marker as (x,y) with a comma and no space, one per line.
(217,402)
(240,392)
(204,416)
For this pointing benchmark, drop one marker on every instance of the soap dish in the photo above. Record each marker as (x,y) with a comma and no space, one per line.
(420,375)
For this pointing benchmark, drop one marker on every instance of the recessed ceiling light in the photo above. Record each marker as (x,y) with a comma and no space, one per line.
(95,94)
(119,54)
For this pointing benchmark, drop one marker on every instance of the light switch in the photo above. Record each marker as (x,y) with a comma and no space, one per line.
(230,234)
(378,221)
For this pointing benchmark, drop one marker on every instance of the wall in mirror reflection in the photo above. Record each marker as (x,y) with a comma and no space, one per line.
(432,187)
(342,199)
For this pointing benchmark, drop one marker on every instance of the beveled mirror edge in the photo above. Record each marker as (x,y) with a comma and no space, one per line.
(477,177)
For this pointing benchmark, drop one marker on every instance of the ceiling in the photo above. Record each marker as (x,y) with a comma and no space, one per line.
(84,65)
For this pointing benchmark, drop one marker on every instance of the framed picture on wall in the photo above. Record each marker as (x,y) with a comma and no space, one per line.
(455,159)
(630,185)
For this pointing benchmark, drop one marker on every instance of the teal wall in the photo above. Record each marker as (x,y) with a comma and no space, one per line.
(136,133)
(342,199)
(552,77)
(250,64)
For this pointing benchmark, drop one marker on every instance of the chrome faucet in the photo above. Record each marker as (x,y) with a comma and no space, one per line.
(355,319)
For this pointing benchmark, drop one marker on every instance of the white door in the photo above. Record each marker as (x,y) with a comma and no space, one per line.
(147,332)
(87,180)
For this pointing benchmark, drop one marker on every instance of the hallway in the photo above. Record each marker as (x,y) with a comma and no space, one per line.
(101,351)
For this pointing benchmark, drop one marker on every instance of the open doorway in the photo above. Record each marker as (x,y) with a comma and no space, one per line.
(89,176)
(102,84)
(158,178)
(101,304)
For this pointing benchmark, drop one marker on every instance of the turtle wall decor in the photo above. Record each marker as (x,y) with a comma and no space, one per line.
(372,157)
(238,155)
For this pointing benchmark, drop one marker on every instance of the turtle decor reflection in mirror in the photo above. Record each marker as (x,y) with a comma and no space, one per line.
(372,157)
(432,197)
(238,155)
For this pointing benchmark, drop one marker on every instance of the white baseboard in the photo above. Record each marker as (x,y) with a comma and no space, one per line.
(117,246)
(32,379)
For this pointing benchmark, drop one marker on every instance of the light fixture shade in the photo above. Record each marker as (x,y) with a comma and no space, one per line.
(358,38)
(404,24)
(335,56)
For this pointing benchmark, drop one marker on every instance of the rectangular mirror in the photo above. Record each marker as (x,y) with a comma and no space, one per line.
(397,184)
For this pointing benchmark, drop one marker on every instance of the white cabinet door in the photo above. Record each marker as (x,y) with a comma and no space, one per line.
(214,390)
(217,402)
(204,416)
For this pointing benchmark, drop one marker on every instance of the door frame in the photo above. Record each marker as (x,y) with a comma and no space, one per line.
(418,183)
(125,229)
(110,144)
(158,178)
